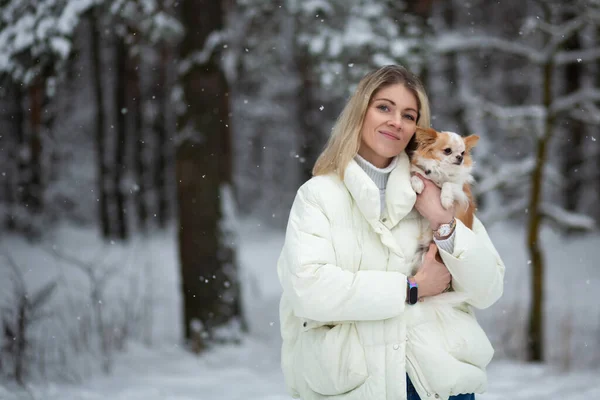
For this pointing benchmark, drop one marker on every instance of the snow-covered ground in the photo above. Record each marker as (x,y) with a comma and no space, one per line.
(250,370)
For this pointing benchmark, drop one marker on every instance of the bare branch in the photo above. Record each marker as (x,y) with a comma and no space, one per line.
(82,265)
(567,219)
(19,282)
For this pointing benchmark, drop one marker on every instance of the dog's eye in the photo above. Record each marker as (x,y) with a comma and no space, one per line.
(448,150)
(462,154)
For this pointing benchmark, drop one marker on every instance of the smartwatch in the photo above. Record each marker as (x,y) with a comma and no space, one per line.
(412,295)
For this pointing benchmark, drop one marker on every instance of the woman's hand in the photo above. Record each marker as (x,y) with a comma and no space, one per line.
(433,277)
(429,205)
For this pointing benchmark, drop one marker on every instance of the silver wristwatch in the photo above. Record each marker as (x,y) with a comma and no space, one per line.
(445,230)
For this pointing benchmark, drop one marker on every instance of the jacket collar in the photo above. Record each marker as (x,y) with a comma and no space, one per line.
(399,195)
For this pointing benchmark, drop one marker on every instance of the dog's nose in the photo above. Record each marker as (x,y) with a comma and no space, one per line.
(459,158)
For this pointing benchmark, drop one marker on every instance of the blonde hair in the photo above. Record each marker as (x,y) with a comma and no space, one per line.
(345,139)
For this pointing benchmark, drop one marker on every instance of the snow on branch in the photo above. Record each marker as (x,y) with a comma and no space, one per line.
(506,112)
(588,114)
(41,32)
(455,42)
(564,30)
(572,100)
(506,212)
(509,173)
(569,57)
(562,33)
(201,57)
(567,219)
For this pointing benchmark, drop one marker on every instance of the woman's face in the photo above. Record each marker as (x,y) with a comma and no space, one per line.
(390,122)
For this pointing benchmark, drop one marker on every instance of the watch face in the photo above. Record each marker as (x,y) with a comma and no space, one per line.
(413,295)
(444,230)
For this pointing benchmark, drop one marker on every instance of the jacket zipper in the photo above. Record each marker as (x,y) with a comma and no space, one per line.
(417,370)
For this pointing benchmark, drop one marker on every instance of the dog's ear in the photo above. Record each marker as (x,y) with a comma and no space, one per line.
(470,142)
(426,136)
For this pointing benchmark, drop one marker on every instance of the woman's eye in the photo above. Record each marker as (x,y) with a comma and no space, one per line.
(409,117)
(448,150)
(383,107)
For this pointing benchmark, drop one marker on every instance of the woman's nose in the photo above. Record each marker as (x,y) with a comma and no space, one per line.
(395,121)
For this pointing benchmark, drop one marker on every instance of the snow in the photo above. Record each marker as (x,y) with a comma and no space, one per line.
(250,370)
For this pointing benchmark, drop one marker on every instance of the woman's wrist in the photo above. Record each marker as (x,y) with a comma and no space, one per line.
(445,230)
(435,223)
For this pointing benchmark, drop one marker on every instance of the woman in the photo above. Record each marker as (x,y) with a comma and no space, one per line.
(351,324)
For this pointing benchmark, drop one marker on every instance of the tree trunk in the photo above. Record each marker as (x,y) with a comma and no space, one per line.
(162,142)
(10,147)
(34,192)
(311,142)
(120,140)
(596,210)
(535,343)
(203,169)
(575,131)
(140,147)
(102,173)
(458,109)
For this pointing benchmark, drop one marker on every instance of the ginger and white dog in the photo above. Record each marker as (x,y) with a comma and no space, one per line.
(445,159)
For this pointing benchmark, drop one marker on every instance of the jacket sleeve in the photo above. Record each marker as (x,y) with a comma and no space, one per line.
(476,267)
(319,289)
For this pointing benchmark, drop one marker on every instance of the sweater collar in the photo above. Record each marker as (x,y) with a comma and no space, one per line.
(378,175)
(399,199)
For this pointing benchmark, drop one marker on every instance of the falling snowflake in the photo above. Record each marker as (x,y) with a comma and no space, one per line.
(321,108)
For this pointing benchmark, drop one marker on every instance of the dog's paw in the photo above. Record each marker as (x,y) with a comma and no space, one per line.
(447,201)
(417,184)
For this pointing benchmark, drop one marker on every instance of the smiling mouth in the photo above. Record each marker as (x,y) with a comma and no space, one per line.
(389,135)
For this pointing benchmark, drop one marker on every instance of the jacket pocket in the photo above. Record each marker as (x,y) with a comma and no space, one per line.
(466,340)
(331,359)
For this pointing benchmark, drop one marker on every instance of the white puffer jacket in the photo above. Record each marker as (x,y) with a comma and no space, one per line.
(347,332)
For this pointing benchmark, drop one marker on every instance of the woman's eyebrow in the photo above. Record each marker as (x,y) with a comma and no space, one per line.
(383,98)
(406,109)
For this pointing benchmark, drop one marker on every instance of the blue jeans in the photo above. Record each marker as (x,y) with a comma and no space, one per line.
(411,393)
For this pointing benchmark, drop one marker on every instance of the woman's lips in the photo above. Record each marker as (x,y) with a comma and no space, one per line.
(389,135)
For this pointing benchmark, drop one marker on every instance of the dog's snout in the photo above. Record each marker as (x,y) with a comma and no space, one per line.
(459,157)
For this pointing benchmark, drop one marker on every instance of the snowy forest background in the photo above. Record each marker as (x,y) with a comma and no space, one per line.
(143,141)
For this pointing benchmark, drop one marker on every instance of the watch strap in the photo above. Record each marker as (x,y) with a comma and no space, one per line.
(412,290)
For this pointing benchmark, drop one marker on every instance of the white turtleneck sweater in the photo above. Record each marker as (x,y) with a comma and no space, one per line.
(380,177)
